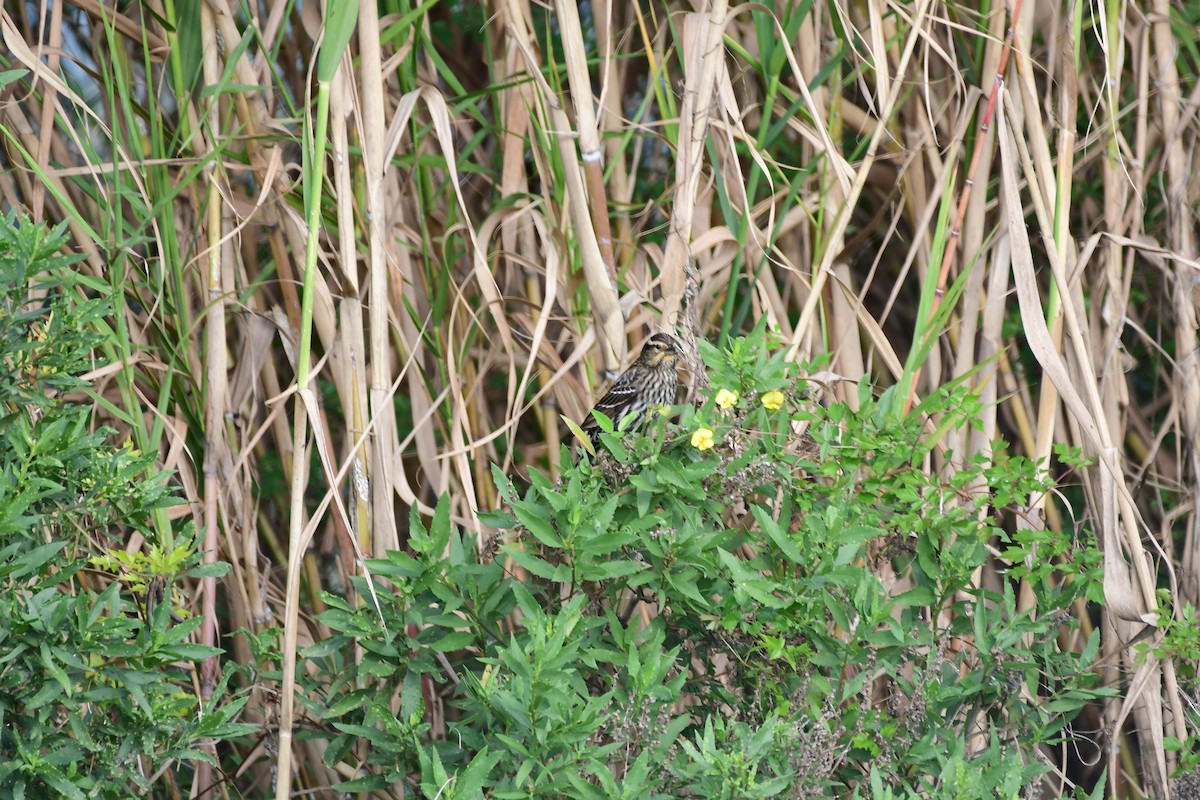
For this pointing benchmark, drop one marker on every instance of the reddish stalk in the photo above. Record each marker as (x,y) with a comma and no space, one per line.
(956,230)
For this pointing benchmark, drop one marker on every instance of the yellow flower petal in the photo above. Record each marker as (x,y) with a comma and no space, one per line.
(702,439)
(727,399)
(773,400)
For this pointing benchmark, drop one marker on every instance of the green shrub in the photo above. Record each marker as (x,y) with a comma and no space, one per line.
(773,655)
(95,679)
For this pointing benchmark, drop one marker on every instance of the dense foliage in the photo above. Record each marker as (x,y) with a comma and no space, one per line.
(96,671)
(702,614)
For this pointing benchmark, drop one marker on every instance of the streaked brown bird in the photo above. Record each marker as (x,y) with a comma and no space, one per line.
(651,382)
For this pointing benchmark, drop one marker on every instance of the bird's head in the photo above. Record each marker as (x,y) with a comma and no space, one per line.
(660,349)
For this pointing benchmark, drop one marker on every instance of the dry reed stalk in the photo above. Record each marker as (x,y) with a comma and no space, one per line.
(822,268)
(377,226)
(571,35)
(703,57)
(216,448)
(602,294)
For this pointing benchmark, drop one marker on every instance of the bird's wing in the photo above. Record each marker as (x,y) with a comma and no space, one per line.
(618,396)
(615,399)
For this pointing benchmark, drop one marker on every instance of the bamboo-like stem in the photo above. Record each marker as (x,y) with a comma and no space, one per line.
(1180,226)
(215,393)
(703,58)
(314,152)
(602,290)
(377,221)
(571,34)
(351,338)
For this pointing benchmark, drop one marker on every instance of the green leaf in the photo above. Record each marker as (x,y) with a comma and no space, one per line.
(216,569)
(54,669)
(538,523)
(539,567)
(472,780)
(340,21)
(59,783)
(31,561)
(498,519)
(11,75)
(602,517)
(768,525)
(361,731)
(456,640)
(440,529)
(187,651)
(609,570)
(917,596)
(584,440)
(367,783)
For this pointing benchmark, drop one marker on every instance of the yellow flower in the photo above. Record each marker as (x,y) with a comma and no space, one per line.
(663,411)
(702,439)
(773,400)
(727,399)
